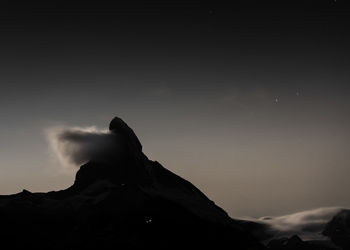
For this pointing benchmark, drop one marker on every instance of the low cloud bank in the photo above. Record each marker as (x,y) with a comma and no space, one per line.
(75,146)
(307,224)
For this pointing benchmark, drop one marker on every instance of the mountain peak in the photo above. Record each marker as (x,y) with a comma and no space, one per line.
(118,126)
(122,201)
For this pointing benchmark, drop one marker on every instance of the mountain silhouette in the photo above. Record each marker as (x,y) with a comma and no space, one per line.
(121,201)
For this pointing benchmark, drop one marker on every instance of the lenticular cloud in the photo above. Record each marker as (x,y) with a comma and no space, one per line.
(75,146)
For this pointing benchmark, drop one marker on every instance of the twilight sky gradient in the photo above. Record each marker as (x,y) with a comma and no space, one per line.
(250,102)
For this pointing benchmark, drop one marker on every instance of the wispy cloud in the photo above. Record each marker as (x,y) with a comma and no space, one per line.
(74,146)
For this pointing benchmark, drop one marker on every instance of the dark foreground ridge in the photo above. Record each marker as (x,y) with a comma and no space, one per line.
(125,202)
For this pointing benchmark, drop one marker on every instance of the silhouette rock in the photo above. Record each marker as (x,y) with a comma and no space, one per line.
(338,229)
(118,126)
(295,243)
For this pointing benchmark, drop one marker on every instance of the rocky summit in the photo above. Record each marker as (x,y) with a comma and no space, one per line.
(121,202)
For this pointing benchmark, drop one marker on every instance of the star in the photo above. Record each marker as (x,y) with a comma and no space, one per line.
(276,100)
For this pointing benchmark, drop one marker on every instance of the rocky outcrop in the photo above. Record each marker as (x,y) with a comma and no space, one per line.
(338,229)
(295,243)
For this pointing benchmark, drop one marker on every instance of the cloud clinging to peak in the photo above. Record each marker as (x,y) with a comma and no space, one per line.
(75,146)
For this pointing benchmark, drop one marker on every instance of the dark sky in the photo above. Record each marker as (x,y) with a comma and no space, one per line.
(249,101)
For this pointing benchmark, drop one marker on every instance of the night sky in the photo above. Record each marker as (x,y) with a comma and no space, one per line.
(249,101)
